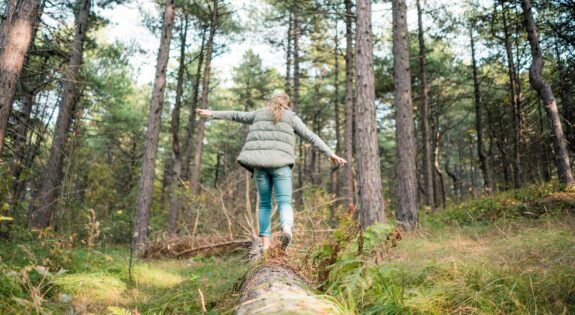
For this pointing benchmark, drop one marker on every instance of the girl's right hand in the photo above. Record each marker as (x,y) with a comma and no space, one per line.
(337,160)
(204,113)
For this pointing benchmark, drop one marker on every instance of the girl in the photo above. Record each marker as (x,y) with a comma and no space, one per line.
(269,154)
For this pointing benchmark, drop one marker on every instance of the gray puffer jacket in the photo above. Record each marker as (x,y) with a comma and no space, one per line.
(270,145)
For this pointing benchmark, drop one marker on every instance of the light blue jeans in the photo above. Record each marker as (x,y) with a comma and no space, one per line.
(280,179)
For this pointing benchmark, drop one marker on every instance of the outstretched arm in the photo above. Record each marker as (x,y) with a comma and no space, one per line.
(243,117)
(303,131)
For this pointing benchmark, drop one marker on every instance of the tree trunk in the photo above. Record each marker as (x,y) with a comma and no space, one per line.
(18,156)
(405,143)
(424,113)
(567,102)
(6,22)
(348,186)
(15,38)
(175,128)
(370,190)
(21,132)
(455,177)
(439,186)
(544,90)
(287,83)
(146,187)
(485,167)
(194,104)
(296,37)
(334,177)
(568,113)
(545,171)
(501,144)
(295,99)
(515,104)
(197,168)
(48,194)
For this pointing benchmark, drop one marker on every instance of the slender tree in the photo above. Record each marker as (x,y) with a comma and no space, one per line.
(287,81)
(146,186)
(485,167)
(15,38)
(348,186)
(334,177)
(295,100)
(405,142)
(544,90)
(296,32)
(29,90)
(198,148)
(424,114)
(190,127)
(175,128)
(514,99)
(49,190)
(370,189)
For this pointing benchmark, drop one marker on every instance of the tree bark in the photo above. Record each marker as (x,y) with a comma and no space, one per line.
(370,190)
(546,93)
(424,115)
(194,104)
(296,71)
(197,168)
(405,142)
(279,288)
(567,102)
(296,32)
(348,131)
(18,156)
(21,133)
(146,186)
(485,167)
(6,22)
(15,39)
(334,177)
(48,194)
(515,102)
(175,128)
(439,186)
(287,82)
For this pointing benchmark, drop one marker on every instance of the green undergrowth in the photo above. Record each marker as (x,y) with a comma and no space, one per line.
(512,253)
(533,202)
(35,280)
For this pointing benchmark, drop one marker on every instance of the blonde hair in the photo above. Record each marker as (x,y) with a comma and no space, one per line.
(277,103)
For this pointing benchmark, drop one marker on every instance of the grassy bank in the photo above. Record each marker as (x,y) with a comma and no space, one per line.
(513,253)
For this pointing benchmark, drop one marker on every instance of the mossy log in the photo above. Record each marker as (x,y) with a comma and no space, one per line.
(276,289)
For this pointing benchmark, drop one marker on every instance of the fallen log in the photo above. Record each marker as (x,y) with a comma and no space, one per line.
(272,288)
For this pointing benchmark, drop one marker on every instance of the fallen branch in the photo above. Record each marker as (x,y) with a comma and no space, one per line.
(238,243)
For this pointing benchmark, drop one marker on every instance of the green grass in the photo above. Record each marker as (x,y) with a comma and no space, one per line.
(482,257)
(511,253)
(99,282)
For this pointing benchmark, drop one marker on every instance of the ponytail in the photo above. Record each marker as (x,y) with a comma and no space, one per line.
(277,104)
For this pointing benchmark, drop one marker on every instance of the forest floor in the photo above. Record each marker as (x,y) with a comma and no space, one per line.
(513,253)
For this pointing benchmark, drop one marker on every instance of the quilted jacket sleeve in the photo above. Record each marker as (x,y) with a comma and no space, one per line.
(243,117)
(303,131)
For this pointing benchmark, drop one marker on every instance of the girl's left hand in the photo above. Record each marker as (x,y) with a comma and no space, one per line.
(337,160)
(204,113)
